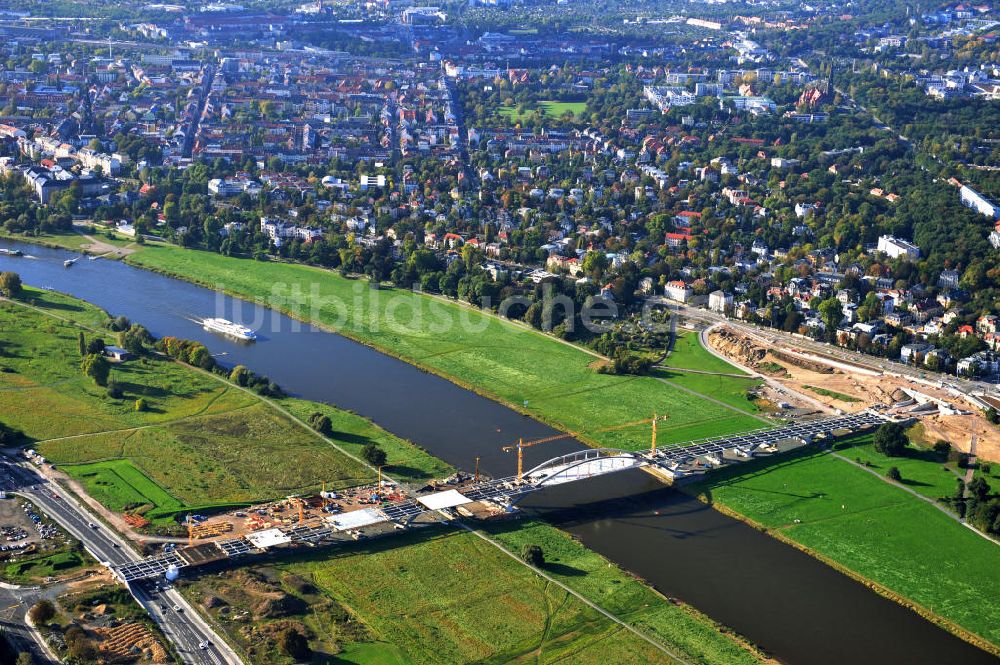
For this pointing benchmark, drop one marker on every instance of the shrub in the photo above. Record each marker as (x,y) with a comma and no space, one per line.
(42,612)
(321,423)
(890,439)
(10,284)
(115,391)
(893,474)
(533,554)
(294,644)
(96,367)
(373,454)
(240,376)
(942,448)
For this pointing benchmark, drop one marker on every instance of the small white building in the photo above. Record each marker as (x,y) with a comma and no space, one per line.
(678,290)
(895,247)
(368,181)
(720,301)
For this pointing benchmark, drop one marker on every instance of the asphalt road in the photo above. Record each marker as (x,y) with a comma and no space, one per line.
(14,606)
(185,628)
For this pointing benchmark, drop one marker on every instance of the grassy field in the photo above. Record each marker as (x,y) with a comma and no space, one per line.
(921,469)
(843,397)
(551,109)
(688,353)
(449,597)
(550,380)
(205,443)
(48,565)
(201,442)
(873,528)
(407,462)
(591,575)
(71,240)
(119,485)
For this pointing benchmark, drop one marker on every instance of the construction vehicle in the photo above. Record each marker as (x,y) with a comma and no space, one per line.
(522,444)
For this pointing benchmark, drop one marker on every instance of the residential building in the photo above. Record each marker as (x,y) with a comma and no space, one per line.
(894,248)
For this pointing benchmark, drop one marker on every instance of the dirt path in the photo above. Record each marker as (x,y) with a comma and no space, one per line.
(970,464)
(101,248)
(113,518)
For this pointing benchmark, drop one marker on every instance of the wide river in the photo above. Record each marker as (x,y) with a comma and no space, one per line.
(796,608)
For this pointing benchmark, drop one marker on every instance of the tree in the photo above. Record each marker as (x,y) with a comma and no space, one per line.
(10,284)
(140,405)
(322,424)
(240,375)
(832,313)
(890,439)
(533,554)
(595,263)
(42,612)
(24,658)
(979,488)
(294,644)
(373,454)
(115,391)
(893,474)
(95,347)
(78,645)
(96,367)
(199,356)
(942,448)
(82,341)
(134,339)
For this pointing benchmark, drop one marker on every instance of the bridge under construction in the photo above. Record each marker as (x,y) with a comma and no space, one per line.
(669,462)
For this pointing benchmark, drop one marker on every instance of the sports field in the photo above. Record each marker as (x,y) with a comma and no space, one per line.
(551,109)
(536,373)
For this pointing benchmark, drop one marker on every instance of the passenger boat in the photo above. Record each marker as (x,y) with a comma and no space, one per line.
(226,327)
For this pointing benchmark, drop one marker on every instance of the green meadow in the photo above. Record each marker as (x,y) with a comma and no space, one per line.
(200,443)
(536,373)
(550,109)
(436,596)
(870,527)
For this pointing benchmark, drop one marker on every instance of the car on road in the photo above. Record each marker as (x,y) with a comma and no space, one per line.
(91,525)
(203,645)
(178,608)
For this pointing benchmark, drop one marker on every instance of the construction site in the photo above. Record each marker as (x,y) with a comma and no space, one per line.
(808,381)
(385,507)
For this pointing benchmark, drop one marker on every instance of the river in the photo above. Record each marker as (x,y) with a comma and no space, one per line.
(796,608)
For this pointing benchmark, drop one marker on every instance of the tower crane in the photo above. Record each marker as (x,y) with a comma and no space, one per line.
(522,444)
